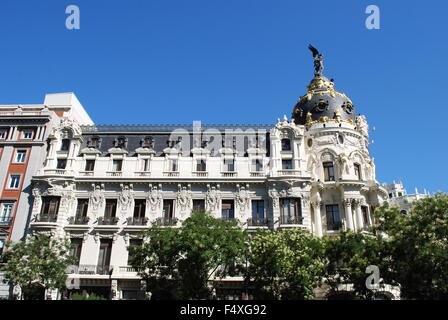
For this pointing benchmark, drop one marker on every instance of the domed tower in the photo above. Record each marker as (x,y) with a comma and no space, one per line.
(321,158)
(322,101)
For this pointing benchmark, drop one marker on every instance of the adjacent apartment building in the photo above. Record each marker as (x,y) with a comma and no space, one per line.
(24,130)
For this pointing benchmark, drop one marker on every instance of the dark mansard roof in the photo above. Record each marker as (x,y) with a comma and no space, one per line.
(160,135)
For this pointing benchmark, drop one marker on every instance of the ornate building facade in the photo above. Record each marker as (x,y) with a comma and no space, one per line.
(100,186)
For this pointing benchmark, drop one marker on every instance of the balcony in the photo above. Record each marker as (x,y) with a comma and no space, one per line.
(5,222)
(257,222)
(289,172)
(107,221)
(227,218)
(142,173)
(200,173)
(137,221)
(78,220)
(56,172)
(229,174)
(166,221)
(46,218)
(127,269)
(291,220)
(114,173)
(86,173)
(171,174)
(257,173)
(89,269)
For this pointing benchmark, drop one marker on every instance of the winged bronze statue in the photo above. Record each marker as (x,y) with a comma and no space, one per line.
(318,61)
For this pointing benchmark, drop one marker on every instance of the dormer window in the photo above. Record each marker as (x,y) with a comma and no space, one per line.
(94,142)
(147,142)
(120,143)
(286,145)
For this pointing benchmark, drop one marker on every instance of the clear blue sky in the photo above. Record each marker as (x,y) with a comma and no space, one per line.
(241,62)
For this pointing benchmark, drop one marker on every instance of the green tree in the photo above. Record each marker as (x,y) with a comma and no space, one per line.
(417,246)
(285,264)
(39,262)
(181,262)
(348,255)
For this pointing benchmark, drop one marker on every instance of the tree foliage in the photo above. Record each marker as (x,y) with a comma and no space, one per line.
(181,262)
(40,261)
(417,246)
(285,264)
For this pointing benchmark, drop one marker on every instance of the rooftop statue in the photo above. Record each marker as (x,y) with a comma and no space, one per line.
(318,61)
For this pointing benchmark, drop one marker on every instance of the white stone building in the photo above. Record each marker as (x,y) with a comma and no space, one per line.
(312,171)
(398,196)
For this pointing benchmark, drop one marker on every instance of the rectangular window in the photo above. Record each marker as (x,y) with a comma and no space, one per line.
(104,256)
(50,206)
(333,217)
(82,207)
(27,134)
(65,145)
(116,165)
(228,210)
(20,156)
(3,134)
(229,165)
(168,209)
(6,212)
(357,171)
(365,215)
(291,211)
(139,208)
(286,145)
(328,171)
(75,250)
(286,164)
(200,165)
(111,208)
(198,205)
(61,164)
(145,165)
(173,165)
(90,165)
(258,209)
(14,181)
(257,165)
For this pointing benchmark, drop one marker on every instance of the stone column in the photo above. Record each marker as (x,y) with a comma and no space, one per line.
(317,217)
(359,219)
(348,214)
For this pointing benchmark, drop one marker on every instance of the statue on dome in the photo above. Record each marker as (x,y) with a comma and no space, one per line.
(318,61)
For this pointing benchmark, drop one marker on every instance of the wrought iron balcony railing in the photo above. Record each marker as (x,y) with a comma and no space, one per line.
(334,226)
(107,221)
(79,220)
(291,220)
(257,222)
(166,221)
(137,221)
(46,218)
